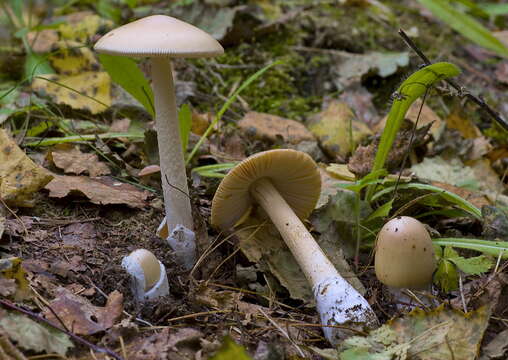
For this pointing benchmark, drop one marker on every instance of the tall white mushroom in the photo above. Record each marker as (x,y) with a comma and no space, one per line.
(160,38)
(286,184)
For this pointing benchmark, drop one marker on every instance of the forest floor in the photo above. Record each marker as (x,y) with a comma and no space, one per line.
(77,155)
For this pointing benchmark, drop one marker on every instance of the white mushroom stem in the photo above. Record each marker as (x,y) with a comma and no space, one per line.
(338,303)
(176,193)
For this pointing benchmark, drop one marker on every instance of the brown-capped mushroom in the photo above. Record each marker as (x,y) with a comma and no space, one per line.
(286,184)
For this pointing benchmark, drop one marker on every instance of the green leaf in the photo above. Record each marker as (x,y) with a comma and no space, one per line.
(125,72)
(213,171)
(108,10)
(380,212)
(494,9)
(76,138)
(473,265)
(229,350)
(465,25)
(446,276)
(184,125)
(448,196)
(31,335)
(369,179)
(410,90)
(494,248)
(36,65)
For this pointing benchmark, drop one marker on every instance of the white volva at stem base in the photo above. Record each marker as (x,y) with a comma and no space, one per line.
(338,303)
(161,287)
(173,175)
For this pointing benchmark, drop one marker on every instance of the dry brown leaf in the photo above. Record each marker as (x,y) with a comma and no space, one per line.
(80,316)
(20,177)
(476,198)
(72,161)
(266,126)
(463,124)
(101,191)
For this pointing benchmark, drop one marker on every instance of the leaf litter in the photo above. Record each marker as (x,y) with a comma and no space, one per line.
(72,246)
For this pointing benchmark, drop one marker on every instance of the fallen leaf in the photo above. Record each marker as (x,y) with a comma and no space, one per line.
(31,335)
(7,350)
(231,351)
(20,177)
(360,99)
(222,300)
(101,191)
(474,197)
(340,172)
(335,126)
(11,268)
(166,344)
(452,171)
(351,68)
(42,41)
(81,26)
(72,58)
(271,127)
(79,315)
(72,161)
(89,90)
(81,235)
(440,334)
(7,287)
(497,347)
(463,124)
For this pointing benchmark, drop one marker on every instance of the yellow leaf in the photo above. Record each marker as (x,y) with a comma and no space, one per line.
(86,91)
(11,268)
(72,58)
(20,177)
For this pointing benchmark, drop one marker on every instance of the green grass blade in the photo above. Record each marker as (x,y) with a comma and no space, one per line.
(76,138)
(226,106)
(410,90)
(184,125)
(493,248)
(465,25)
(448,196)
(213,170)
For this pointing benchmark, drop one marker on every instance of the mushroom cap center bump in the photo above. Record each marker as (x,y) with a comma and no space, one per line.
(159,36)
(293,173)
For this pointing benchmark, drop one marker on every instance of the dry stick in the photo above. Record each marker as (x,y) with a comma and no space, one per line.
(462,91)
(7,304)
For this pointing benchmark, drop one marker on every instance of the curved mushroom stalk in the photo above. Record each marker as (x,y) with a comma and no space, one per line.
(338,303)
(286,184)
(149,276)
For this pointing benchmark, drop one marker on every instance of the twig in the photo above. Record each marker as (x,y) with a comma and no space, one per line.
(286,335)
(462,91)
(7,304)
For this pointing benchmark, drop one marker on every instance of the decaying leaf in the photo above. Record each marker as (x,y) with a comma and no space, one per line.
(88,90)
(351,67)
(11,268)
(338,129)
(266,126)
(440,334)
(73,161)
(30,335)
(101,191)
(81,316)
(231,351)
(20,177)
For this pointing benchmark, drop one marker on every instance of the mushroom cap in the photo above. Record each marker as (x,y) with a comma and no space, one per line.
(404,254)
(158,36)
(149,264)
(293,173)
